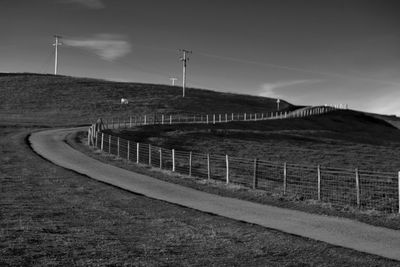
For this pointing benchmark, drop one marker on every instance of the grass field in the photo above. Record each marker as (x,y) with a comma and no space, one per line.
(51,216)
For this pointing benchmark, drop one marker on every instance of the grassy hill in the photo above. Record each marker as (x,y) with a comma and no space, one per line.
(61,100)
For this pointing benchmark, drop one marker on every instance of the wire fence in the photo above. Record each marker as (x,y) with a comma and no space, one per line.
(165,119)
(362,189)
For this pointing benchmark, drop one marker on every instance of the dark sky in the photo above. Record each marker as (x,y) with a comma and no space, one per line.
(307,52)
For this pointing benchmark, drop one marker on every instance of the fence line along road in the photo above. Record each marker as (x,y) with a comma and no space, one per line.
(164,119)
(341,187)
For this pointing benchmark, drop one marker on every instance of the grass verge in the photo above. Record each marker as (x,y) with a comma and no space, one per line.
(372,217)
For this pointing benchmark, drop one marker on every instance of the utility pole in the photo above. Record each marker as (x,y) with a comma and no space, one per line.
(173,81)
(184,59)
(56,44)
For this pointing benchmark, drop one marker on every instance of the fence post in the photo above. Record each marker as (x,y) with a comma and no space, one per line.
(220,118)
(173,160)
(170,119)
(145,119)
(213,118)
(227,169)
(190,164)
(208,167)
(162,119)
(284,178)
(96,139)
(232,116)
(255,179)
(130,122)
(149,155)
(226,117)
(89,136)
(102,142)
(118,147)
(207,118)
(137,152)
(245,116)
(128,152)
(357,188)
(160,157)
(398,182)
(319,182)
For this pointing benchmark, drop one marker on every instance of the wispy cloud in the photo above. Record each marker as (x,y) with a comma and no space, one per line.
(92,4)
(272,89)
(107,46)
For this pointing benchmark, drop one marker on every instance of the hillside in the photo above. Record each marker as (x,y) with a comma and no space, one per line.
(58,100)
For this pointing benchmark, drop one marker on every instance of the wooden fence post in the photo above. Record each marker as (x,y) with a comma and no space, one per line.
(149,155)
(284,178)
(128,152)
(190,164)
(357,188)
(160,157)
(89,136)
(162,119)
(118,147)
(213,118)
(207,118)
(145,119)
(227,169)
(398,182)
(96,136)
(208,167)
(319,182)
(102,142)
(137,152)
(130,122)
(232,116)
(226,117)
(173,160)
(245,116)
(220,118)
(170,119)
(255,178)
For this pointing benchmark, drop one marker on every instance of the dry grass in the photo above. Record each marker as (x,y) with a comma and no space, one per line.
(50,216)
(289,201)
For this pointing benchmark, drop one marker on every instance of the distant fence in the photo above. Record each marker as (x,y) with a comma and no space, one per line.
(165,119)
(341,187)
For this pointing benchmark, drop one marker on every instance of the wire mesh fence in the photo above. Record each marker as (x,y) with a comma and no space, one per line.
(341,187)
(165,119)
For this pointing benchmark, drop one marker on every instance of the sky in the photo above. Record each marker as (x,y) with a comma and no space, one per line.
(308,52)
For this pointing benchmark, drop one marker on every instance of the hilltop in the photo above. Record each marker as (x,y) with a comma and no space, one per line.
(60,100)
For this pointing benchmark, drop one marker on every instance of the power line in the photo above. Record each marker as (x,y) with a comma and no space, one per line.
(277,66)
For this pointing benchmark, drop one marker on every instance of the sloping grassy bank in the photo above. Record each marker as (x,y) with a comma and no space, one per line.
(58,100)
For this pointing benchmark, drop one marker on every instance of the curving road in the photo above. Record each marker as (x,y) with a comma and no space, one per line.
(337,231)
